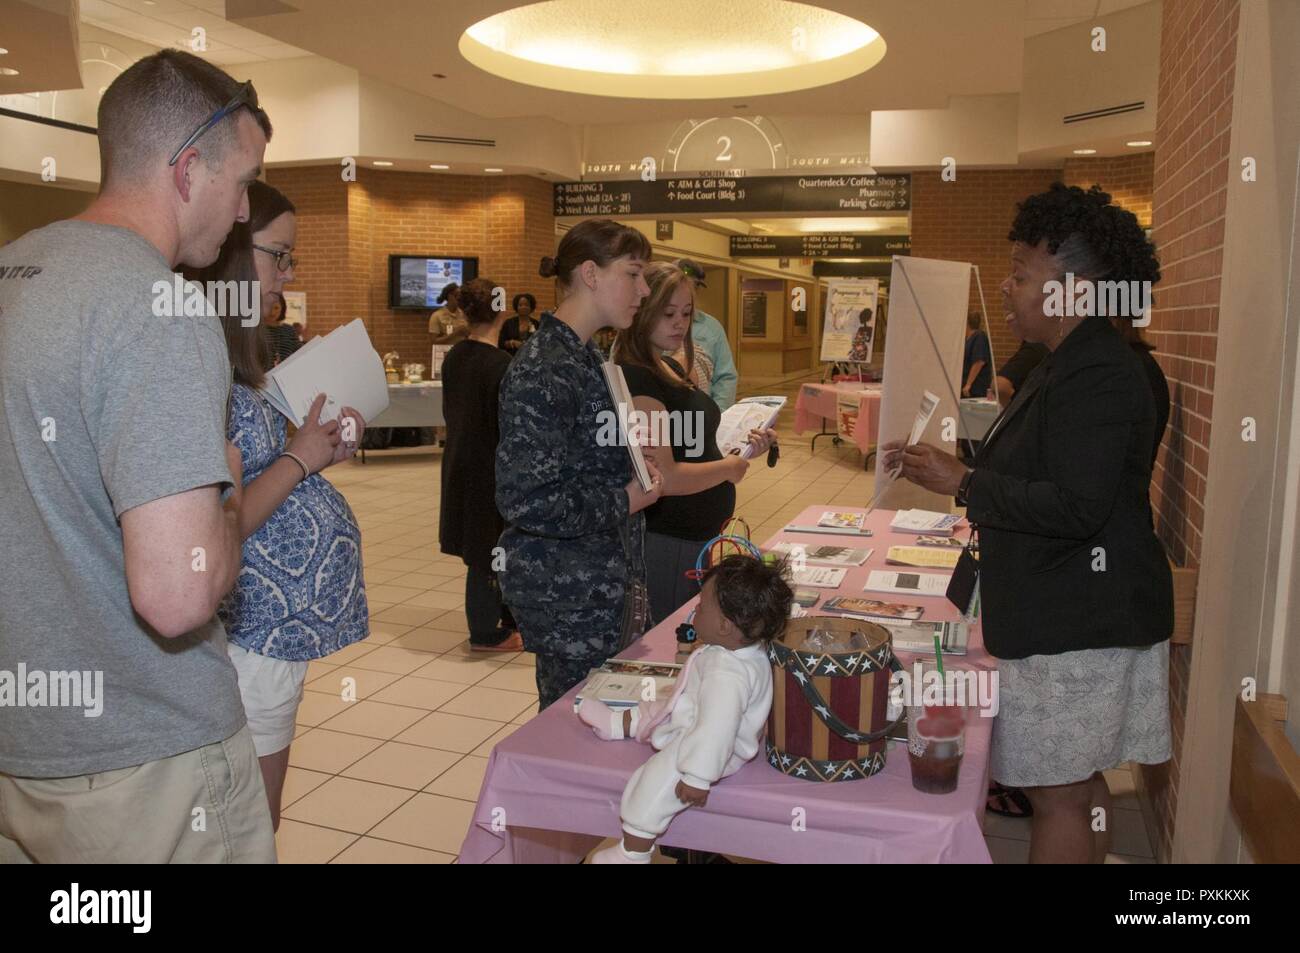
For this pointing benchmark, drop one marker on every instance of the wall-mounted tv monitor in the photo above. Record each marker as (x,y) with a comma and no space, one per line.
(415,281)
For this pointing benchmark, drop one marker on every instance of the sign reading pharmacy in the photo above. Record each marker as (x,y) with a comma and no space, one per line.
(820,246)
(736,195)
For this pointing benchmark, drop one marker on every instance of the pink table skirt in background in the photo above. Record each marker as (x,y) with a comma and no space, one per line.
(820,402)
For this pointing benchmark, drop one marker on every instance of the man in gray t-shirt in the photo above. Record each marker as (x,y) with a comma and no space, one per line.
(122,734)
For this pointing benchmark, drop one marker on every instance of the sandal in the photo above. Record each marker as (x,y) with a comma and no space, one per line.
(1008,802)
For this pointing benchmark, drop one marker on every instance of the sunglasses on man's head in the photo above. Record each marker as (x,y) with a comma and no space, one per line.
(246,95)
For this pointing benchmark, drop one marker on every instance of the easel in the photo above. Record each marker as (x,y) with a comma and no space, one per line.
(953,393)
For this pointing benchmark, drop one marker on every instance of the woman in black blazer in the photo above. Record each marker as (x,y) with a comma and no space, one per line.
(1076,592)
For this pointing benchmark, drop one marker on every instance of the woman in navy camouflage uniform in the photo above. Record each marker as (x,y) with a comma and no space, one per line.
(573,546)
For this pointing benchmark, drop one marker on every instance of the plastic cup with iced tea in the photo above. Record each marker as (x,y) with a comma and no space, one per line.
(936,738)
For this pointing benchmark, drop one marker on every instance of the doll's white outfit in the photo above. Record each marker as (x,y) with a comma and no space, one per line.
(711,726)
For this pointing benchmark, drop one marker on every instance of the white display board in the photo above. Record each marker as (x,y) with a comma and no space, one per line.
(928,302)
(849,321)
(295,307)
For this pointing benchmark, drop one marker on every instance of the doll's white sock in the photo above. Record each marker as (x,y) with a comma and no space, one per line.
(618,854)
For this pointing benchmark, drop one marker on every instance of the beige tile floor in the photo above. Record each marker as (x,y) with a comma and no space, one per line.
(392,777)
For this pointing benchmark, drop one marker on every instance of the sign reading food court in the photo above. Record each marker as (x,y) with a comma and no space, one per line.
(737,195)
(820,246)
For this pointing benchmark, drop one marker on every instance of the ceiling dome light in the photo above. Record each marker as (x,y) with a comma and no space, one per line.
(666,50)
(8,71)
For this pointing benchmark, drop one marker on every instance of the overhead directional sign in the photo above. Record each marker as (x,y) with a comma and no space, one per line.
(820,246)
(856,194)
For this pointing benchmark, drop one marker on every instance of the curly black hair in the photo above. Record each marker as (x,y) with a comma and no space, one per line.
(1094,238)
(753,595)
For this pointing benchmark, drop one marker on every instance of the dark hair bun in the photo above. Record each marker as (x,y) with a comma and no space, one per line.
(547,268)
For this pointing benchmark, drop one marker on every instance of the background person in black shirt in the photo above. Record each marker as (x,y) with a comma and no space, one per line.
(470,525)
(1013,374)
(519,327)
(699,481)
(282,338)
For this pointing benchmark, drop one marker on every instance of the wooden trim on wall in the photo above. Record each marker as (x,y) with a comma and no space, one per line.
(1184,603)
(1264,785)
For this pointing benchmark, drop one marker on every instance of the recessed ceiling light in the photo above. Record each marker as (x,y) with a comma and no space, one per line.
(625,54)
(1085,152)
(6,71)
(493,170)
(3,51)
(1136,143)
(381,162)
(439,167)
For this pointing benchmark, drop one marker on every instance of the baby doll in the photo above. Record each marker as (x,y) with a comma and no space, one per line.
(712,723)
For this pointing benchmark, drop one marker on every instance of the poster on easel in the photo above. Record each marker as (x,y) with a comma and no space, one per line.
(849,321)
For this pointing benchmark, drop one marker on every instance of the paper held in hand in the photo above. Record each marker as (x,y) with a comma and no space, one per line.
(752,413)
(343,365)
(929,402)
(623,408)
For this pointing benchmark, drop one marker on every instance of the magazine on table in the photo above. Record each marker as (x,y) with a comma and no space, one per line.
(827,530)
(873,608)
(622,683)
(925,557)
(818,577)
(941,542)
(926,522)
(752,413)
(918,637)
(908,583)
(836,520)
(812,555)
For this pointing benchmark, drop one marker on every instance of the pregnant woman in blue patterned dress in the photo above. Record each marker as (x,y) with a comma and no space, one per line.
(300,594)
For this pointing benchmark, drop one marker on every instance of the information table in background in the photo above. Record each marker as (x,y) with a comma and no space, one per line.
(820,402)
(412,405)
(977,416)
(552,789)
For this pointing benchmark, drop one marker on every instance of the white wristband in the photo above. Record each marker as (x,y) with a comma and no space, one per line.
(306,472)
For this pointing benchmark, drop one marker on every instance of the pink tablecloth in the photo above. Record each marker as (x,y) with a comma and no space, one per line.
(818,402)
(552,789)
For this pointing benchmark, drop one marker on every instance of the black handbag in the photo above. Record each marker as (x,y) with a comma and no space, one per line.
(963,587)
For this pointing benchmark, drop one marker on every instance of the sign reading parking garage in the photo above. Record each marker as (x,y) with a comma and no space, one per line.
(859,194)
(820,246)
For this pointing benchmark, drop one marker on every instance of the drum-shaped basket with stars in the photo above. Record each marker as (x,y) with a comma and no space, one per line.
(829,709)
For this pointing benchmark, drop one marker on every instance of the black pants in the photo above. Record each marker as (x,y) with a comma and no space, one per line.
(667,561)
(489,619)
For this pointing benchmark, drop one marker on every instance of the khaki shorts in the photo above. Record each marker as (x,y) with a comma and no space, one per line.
(203,806)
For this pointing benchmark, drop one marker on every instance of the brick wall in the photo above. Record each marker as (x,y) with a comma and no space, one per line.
(967,220)
(1198,45)
(1127,178)
(346,231)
